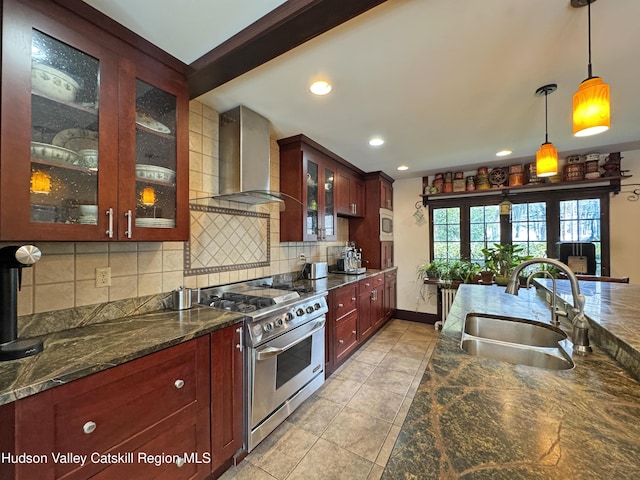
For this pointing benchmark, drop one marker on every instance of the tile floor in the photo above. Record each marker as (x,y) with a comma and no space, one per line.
(347,429)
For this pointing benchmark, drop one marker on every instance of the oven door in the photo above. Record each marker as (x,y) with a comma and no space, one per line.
(386,225)
(283,366)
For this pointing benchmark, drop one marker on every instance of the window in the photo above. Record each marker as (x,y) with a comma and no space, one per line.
(529,227)
(446,233)
(463,225)
(484,230)
(580,222)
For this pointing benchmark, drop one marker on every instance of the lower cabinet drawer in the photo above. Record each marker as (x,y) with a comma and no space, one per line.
(95,420)
(346,335)
(172,455)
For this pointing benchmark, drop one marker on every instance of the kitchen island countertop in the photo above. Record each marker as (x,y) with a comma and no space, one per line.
(476,418)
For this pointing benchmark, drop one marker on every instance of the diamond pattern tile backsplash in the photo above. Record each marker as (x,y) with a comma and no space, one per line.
(225,239)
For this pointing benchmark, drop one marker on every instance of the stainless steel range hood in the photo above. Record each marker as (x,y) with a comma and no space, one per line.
(244,165)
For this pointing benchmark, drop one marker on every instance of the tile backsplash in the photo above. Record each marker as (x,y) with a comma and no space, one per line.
(64,279)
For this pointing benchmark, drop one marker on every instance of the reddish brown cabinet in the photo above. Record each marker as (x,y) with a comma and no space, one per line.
(156,402)
(366,231)
(370,305)
(308,175)
(390,294)
(349,194)
(341,332)
(94,136)
(227,401)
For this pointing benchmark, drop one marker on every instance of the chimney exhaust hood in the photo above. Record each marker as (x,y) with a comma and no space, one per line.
(244,158)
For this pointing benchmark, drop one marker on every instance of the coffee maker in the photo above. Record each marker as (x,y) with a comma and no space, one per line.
(12,260)
(351,260)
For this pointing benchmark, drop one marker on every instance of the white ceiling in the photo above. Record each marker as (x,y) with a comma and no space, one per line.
(447,84)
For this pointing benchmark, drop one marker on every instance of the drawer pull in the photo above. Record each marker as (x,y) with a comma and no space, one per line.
(340,305)
(180,462)
(340,341)
(367,285)
(179,383)
(353,299)
(353,331)
(89,427)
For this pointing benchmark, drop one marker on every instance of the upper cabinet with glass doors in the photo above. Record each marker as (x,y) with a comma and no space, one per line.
(91,147)
(308,175)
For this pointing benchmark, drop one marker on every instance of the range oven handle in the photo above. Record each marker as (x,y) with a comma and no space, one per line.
(268,352)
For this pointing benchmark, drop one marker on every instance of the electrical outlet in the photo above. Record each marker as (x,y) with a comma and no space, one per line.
(103,277)
(303,258)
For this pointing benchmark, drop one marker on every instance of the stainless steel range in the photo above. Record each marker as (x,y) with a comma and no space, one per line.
(284,354)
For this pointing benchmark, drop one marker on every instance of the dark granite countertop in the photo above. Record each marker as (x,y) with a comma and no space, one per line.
(75,353)
(476,418)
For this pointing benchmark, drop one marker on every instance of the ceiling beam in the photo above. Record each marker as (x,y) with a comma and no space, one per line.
(284,28)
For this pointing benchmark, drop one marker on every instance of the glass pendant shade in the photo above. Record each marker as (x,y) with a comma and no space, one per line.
(591,108)
(547,160)
(40,182)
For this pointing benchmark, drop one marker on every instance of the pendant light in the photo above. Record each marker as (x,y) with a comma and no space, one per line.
(591,105)
(547,156)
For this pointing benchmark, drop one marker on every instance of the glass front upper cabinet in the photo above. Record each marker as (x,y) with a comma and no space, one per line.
(64,133)
(156,157)
(312,227)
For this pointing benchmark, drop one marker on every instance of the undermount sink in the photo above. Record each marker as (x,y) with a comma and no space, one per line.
(515,340)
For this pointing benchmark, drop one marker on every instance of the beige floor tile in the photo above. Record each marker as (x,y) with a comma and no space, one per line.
(372,357)
(355,371)
(414,386)
(377,403)
(376,473)
(326,461)
(402,413)
(338,390)
(382,345)
(315,414)
(279,453)
(358,432)
(390,380)
(400,363)
(387,446)
(411,350)
(246,471)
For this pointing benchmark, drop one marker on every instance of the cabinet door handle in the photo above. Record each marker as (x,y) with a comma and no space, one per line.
(353,331)
(179,383)
(180,462)
(340,305)
(109,231)
(340,341)
(89,427)
(129,216)
(367,285)
(239,344)
(353,299)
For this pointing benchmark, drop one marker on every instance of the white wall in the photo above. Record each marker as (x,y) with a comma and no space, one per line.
(411,247)
(625,223)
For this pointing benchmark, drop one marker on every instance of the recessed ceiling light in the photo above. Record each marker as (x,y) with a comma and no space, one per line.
(403,167)
(503,153)
(376,142)
(320,87)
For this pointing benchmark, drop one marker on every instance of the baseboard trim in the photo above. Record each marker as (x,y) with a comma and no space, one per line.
(420,317)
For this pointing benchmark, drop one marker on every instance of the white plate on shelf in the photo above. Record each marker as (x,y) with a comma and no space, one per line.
(151,123)
(155,173)
(53,153)
(77,139)
(156,222)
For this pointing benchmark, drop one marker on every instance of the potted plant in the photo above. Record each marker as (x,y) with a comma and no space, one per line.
(502,259)
(432,270)
(465,271)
